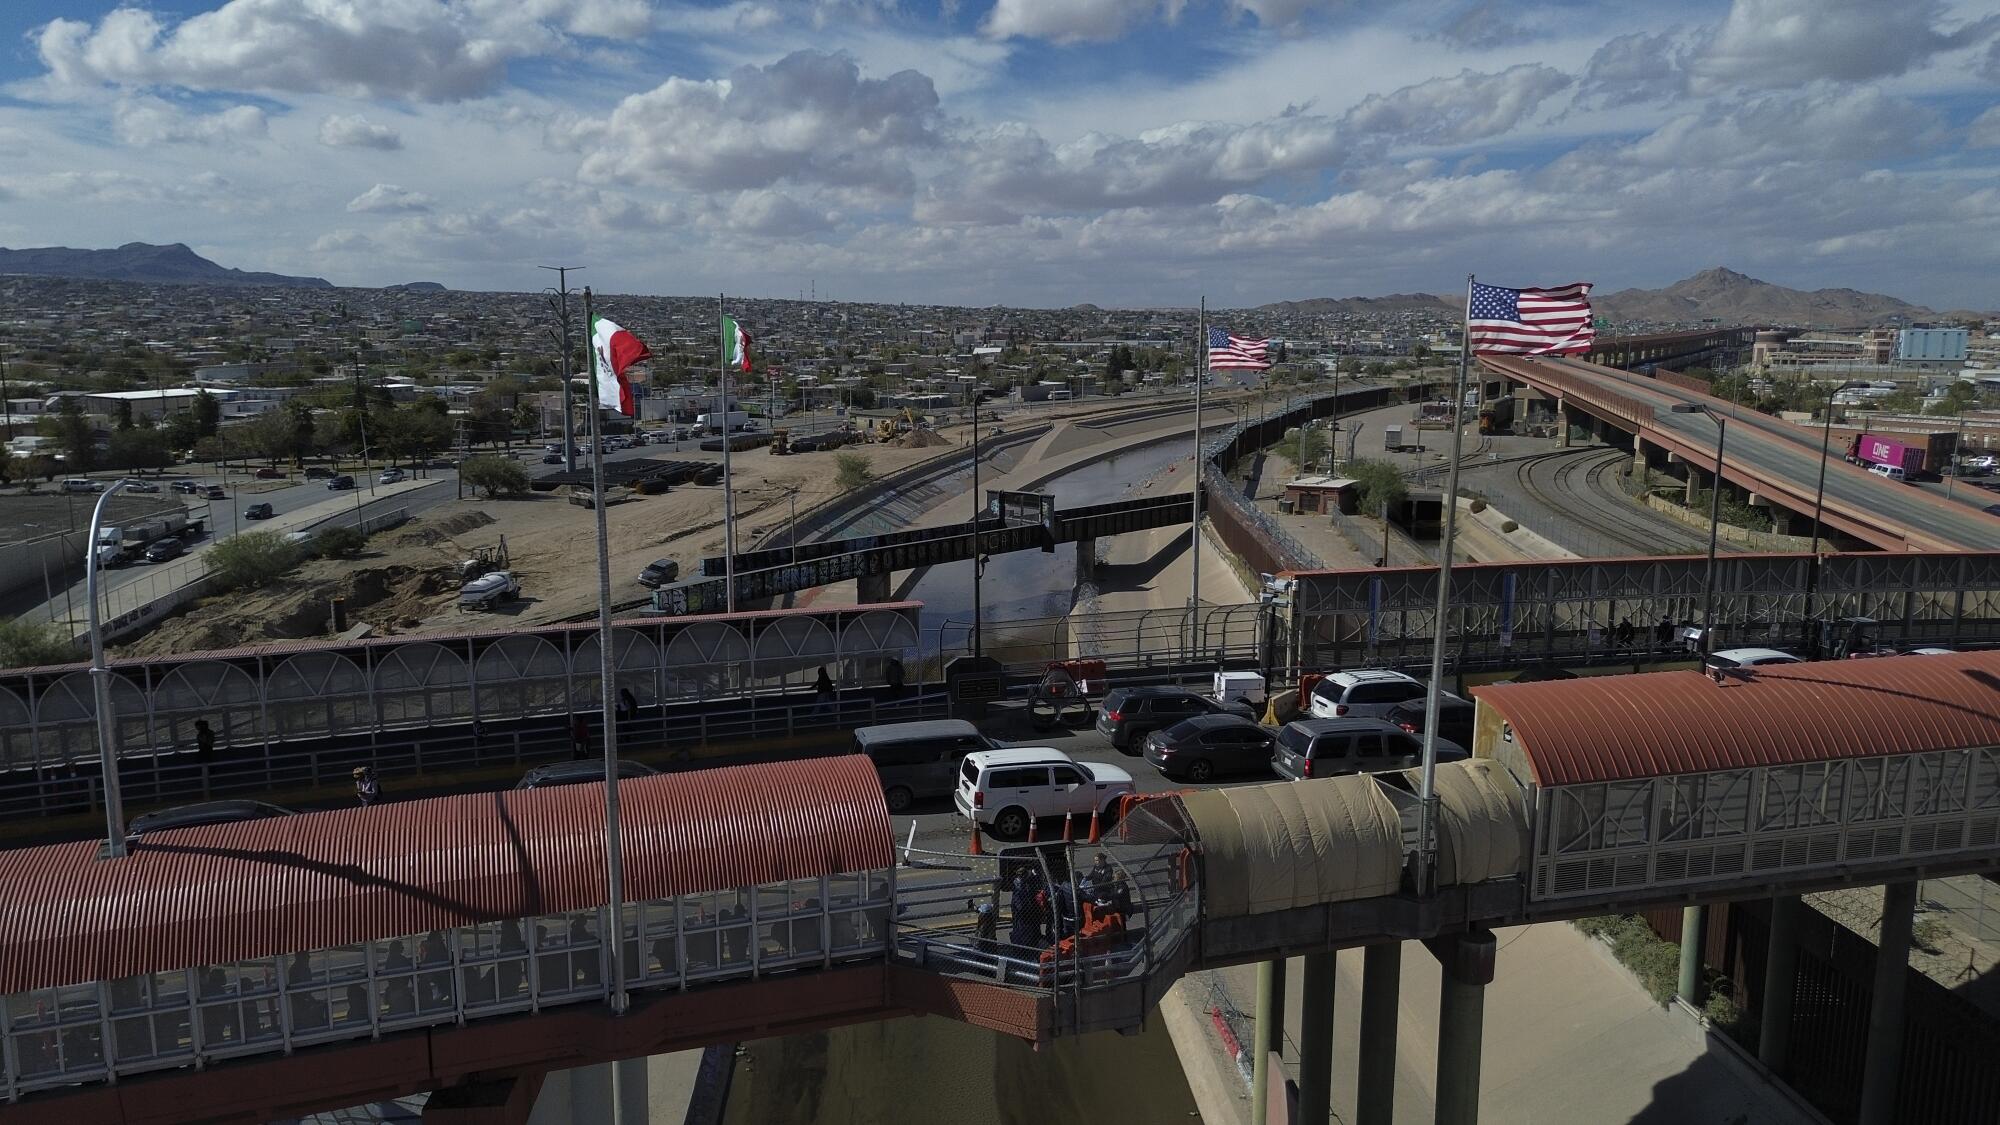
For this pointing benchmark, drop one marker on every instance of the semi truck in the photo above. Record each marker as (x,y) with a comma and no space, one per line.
(715,421)
(124,543)
(1916,454)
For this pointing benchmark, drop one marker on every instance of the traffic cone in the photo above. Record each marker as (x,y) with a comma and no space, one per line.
(1069,832)
(1093,825)
(975,849)
(1031,829)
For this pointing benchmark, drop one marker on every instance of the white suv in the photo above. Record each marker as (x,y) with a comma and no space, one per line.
(1003,790)
(1369,693)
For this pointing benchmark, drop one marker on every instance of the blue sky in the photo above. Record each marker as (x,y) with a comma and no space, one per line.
(1044,152)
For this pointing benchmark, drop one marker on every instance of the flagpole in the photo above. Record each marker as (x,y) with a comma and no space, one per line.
(1427,794)
(614,853)
(1194,508)
(728,496)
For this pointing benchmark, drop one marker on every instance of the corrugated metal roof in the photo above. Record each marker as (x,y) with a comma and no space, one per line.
(1607,728)
(227,892)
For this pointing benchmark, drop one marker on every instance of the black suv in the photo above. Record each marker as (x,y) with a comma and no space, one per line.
(1454,718)
(1311,748)
(659,573)
(1128,715)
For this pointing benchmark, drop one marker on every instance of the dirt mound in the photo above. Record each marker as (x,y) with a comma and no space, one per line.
(921,439)
(391,598)
(429,533)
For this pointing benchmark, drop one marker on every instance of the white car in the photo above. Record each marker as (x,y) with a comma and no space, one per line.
(1004,791)
(1367,693)
(1749,658)
(390,476)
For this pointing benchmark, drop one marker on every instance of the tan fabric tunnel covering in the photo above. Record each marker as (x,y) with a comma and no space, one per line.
(1275,847)
(1483,824)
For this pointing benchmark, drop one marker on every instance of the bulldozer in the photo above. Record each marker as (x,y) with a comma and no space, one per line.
(483,560)
(781,442)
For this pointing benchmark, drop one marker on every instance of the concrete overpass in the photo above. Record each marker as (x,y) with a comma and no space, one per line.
(1776,463)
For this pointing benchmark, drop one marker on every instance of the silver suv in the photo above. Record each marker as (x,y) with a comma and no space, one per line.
(1309,748)
(1369,693)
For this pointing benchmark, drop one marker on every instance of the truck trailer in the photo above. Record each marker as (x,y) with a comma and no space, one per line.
(715,422)
(1880,449)
(124,543)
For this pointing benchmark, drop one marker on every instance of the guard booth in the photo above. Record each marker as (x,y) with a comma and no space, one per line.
(1313,495)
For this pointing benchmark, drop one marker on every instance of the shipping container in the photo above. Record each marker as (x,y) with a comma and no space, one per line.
(1881,449)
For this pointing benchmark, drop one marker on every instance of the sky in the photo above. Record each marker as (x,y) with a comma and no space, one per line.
(1023,152)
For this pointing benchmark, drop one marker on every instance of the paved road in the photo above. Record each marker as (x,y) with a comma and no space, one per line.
(1785,451)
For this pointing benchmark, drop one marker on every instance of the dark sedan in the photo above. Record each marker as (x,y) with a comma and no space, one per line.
(1128,715)
(257,512)
(1210,746)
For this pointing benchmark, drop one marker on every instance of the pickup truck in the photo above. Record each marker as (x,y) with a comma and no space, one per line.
(488,590)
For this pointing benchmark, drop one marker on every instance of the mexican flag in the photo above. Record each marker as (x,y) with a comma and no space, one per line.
(735,345)
(612,350)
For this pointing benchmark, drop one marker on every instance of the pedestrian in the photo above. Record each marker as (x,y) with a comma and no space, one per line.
(204,739)
(367,789)
(1024,929)
(1663,633)
(1099,874)
(628,705)
(822,692)
(579,736)
(1623,633)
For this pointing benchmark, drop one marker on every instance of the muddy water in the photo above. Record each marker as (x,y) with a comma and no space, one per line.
(933,1071)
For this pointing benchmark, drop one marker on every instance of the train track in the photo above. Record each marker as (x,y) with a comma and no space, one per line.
(1589,503)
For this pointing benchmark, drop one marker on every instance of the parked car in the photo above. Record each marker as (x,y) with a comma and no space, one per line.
(390,476)
(1004,790)
(187,485)
(269,473)
(1129,714)
(1749,658)
(1210,746)
(205,812)
(580,773)
(1362,693)
(340,483)
(1455,717)
(257,512)
(659,573)
(919,761)
(141,486)
(318,472)
(1309,748)
(165,550)
(77,484)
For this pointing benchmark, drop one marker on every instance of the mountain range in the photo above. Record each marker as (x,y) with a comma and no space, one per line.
(140,261)
(1720,294)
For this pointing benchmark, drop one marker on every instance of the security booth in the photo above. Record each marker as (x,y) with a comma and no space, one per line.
(1312,495)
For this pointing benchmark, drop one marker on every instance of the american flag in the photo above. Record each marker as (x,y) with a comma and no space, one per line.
(1235,353)
(1531,321)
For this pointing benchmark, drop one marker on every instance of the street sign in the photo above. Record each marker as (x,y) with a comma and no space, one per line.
(980,687)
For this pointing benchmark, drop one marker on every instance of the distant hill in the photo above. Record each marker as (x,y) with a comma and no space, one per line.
(144,262)
(1736,299)
(1393,303)
(420,287)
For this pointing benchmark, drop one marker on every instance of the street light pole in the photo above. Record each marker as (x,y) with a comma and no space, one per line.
(978,564)
(562,317)
(1819,507)
(100,683)
(1714,516)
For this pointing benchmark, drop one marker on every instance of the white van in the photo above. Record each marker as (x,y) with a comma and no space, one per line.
(1890,472)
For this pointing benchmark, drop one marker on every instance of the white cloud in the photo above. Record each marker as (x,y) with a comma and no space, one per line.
(426,50)
(1764,44)
(342,242)
(144,120)
(390,199)
(1640,67)
(1844,127)
(1466,107)
(807,118)
(356,131)
(1064,21)
(1985,130)
(774,214)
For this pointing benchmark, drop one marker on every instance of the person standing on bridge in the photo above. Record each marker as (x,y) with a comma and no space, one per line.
(204,739)
(367,789)
(1622,634)
(822,692)
(579,736)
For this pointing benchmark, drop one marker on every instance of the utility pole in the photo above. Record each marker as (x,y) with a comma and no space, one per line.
(4,408)
(559,304)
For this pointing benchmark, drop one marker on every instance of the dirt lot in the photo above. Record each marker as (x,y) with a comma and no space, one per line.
(406,580)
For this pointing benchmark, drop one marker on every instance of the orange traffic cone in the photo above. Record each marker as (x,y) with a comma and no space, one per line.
(1031,829)
(1069,831)
(975,849)
(1093,825)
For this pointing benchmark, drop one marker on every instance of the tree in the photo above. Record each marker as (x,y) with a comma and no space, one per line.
(300,416)
(72,432)
(1957,398)
(338,541)
(251,559)
(1304,446)
(121,416)
(1376,483)
(135,449)
(26,644)
(499,476)
(270,436)
(851,471)
(207,415)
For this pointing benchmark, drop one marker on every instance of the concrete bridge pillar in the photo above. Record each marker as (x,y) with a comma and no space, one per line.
(1316,1040)
(1269,1039)
(1562,426)
(1375,1080)
(1086,560)
(1882,1068)
(1694,928)
(1466,964)
(872,587)
(1781,979)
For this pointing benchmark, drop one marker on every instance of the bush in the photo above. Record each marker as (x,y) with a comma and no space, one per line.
(1509,525)
(499,476)
(25,645)
(252,559)
(851,471)
(1477,506)
(338,541)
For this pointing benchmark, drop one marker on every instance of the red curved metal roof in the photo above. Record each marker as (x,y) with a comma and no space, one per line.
(226,892)
(1608,728)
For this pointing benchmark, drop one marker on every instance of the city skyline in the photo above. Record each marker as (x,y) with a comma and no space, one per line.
(1037,153)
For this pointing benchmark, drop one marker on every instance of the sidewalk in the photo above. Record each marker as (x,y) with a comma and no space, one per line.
(126,597)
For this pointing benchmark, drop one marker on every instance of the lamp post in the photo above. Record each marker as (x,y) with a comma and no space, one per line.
(1819,507)
(1714,516)
(100,683)
(978,564)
